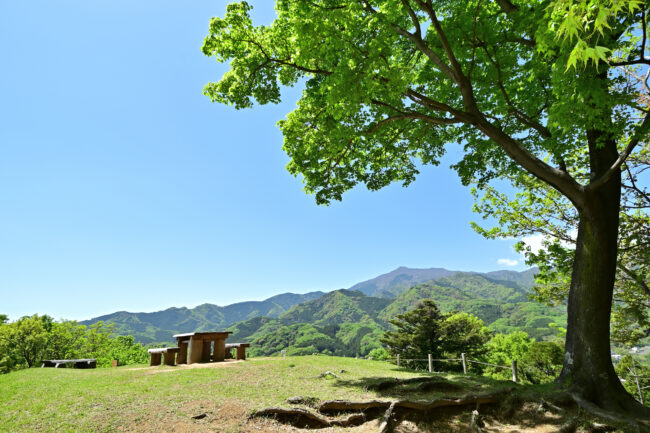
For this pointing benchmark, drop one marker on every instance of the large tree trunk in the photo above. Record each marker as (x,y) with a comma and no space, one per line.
(588,369)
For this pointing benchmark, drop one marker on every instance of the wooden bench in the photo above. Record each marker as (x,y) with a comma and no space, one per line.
(76,363)
(168,355)
(241,350)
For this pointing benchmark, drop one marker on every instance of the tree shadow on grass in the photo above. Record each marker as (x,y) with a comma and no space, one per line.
(515,405)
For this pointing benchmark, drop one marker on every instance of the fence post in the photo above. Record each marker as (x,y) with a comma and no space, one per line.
(462,357)
(514,371)
(398,359)
(284,353)
(430,363)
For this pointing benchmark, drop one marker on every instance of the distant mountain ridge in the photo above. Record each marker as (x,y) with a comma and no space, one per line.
(491,296)
(393,283)
(161,325)
(350,323)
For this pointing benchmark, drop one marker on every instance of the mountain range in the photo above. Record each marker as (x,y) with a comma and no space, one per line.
(350,322)
(159,326)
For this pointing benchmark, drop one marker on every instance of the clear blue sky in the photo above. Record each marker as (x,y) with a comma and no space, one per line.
(123,188)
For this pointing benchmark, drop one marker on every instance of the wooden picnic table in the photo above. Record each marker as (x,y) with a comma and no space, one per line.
(197,347)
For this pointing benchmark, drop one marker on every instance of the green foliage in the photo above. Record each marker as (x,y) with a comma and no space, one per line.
(463,333)
(537,361)
(378,354)
(31,339)
(542,362)
(417,332)
(503,349)
(425,330)
(627,369)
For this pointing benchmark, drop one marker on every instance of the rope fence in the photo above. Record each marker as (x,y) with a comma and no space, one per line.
(513,367)
(463,360)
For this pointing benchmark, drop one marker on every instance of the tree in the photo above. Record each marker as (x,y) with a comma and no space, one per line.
(629,371)
(464,333)
(539,210)
(526,88)
(27,338)
(425,330)
(417,332)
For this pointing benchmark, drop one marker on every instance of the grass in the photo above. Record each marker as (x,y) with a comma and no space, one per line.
(166,398)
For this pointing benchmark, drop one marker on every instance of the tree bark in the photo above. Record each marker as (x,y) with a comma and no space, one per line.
(588,370)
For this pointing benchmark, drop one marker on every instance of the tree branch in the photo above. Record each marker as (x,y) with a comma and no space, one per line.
(635,278)
(623,156)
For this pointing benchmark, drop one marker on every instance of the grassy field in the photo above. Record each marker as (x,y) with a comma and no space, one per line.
(157,399)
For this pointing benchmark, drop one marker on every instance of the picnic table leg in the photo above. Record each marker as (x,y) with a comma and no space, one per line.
(205,353)
(168,358)
(196,350)
(181,358)
(155,359)
(241,353)
(220,349)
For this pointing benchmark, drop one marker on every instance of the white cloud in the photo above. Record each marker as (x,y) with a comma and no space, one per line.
(508,262)
(534,242)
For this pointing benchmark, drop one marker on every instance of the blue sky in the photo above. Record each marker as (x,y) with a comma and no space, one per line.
(122,187)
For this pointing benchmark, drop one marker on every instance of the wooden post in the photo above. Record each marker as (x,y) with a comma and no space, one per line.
(206,351)
(220,349)
(169,358)
(636,378)
(241,352)
(462,358)
(398,359)
(284,353)
(514,371)
(196,350)
(430,363)
(155,359)
(181,358)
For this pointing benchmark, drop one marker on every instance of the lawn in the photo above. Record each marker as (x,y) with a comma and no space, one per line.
(167,398)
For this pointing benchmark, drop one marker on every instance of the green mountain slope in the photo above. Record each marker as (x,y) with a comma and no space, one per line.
(159,326)
(349,323)
(339,306)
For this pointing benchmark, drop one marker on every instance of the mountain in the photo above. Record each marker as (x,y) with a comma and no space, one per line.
(342,322)
(349,323)
(159,326)
(395,282)
(339,306)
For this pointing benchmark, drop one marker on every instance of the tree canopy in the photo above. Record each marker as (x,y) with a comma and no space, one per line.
(529,88)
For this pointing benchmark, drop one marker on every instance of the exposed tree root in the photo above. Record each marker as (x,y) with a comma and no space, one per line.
(350,406)
(476,423)
(636,424)
(365,409)
(388,422)
(304,418)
